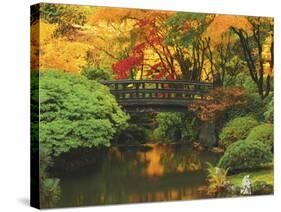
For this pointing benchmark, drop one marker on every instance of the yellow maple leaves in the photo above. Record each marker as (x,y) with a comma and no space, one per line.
(108,34)
(56,52)
(222,23)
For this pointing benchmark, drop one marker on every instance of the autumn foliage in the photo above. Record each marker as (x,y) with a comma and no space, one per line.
(124,67)
(150,44)
(220,100)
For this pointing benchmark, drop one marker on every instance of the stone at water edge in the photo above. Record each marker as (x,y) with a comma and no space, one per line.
(246,186)
(207,135)
(262,188)
(217,150)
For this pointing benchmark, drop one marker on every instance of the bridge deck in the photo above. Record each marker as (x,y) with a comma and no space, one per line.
(158,94)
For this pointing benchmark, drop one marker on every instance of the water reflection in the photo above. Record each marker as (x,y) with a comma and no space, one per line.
(138,174)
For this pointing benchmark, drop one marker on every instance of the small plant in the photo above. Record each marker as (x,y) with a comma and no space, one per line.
(217,179)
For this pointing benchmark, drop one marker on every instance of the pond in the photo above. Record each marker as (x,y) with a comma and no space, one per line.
(151,172)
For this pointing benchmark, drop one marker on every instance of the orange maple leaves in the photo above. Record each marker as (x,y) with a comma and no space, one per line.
(220,99)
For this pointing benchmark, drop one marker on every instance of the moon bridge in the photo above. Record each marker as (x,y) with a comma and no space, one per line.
(157,95)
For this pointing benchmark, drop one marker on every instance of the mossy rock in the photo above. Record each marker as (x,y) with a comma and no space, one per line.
(261,188)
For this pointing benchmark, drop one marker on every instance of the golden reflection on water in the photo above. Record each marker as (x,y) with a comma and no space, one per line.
(161,159)
(173,194)
(153,158)
(155,172)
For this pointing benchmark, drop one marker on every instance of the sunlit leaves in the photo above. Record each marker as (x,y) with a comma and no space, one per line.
(66,16)
(64,55)
(172,45)
(223,23)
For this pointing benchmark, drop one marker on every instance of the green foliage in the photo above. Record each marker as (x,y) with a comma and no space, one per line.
(243,155)
(242,79)
(176,36)
(255,107)
(76,112)
(262,110)
(175,126)
(169,125)
(93,73)
(269,113)
(263,133)
(66,16)
(236,129)
(217,178)
(49,187)
(56,13)
(34,111)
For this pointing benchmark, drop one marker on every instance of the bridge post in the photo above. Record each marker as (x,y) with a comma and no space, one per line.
(157,88)
(143,88)
(123,87)
(116,88)
(137,89)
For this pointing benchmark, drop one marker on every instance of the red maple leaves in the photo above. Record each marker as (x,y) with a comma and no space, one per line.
(123,67)
(152,40)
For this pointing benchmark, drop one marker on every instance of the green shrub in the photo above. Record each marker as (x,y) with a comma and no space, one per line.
(243,79)
(93,73)
(263,133)
(169,125)
(236,129)
(175,126)
(243,155)
(255,106)
(268,114)
(76,112)
(261,110)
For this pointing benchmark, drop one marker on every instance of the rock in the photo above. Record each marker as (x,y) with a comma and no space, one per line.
(246,186)
(261,187)
(217,150)
(126,139)
(198,146)
(202,189)
(231,189)
(207,134)
(132,135)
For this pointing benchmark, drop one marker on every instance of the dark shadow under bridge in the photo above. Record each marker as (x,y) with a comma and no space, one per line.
(157,95)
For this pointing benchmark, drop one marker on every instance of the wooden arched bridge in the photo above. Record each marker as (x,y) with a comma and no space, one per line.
(157,95)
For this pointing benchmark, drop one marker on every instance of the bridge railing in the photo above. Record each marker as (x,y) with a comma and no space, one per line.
(126,90)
